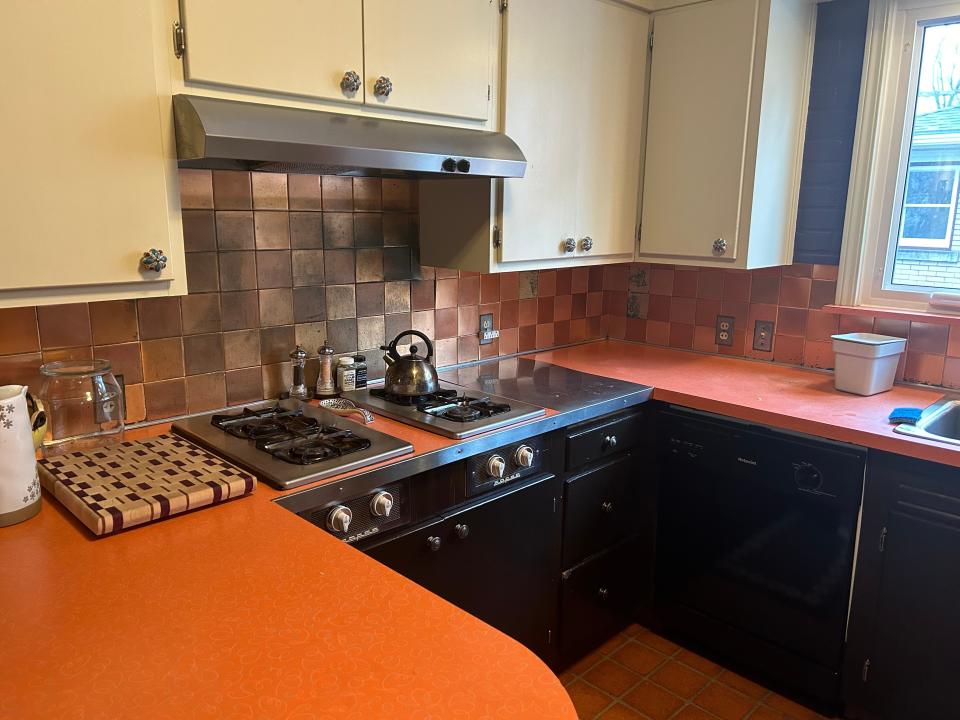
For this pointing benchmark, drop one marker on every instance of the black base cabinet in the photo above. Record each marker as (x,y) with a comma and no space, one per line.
(903,652)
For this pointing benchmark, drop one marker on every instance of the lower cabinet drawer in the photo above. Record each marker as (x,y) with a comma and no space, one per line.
(603,506)
(598,598)
(605,437)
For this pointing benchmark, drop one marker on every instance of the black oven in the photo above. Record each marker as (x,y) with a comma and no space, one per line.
(755,546)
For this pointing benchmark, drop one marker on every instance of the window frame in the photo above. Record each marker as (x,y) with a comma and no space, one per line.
(945,242)
(882,153)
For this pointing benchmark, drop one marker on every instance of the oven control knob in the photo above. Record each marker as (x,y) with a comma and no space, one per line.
(338,519)
(524,456)
(807,476)
(496,466)
(382,504)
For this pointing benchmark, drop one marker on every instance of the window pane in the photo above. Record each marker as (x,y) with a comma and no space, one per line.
(925,222)
(929,187)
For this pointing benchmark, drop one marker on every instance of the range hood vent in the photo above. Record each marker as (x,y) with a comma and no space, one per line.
(228,134)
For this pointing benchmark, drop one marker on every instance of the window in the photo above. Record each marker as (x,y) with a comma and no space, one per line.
(906,245)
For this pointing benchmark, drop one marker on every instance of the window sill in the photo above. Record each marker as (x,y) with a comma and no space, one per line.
(912,315)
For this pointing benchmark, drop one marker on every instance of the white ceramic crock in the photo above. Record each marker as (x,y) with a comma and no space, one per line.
(19,482)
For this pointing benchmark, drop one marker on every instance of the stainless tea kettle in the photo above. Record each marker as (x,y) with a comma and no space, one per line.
(409,374)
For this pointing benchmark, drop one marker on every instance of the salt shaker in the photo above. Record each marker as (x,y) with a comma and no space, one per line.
(298,359)
(325,387)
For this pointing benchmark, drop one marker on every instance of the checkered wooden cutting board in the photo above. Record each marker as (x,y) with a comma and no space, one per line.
(132,483)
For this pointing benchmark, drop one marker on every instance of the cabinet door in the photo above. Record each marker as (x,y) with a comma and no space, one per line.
(902,644)
(436,54)
(539,209)
(84,190)
(607,92)
(301,47)
(700,78)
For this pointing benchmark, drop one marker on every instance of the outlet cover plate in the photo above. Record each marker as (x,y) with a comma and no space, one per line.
(487,332)
(725,328)
(763,335)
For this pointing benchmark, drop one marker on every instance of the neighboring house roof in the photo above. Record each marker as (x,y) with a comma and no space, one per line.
(941,122)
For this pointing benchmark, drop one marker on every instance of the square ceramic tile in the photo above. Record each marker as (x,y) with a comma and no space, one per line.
(276,344)
(370,299)
(276,307)
(274,269)
(306,230)
(339,267)
(235,230)
(397,296)
(231,190)
(240,310)
(368,230)
(206,392)
(399,229)
(196,188)
(271,229)
(199,313)
(309,304)
(165,399)
(269,190)
(337,193)
(338,230)
(238,270)
(303,192)
(157,317)
(308,267)
(366,194)
(341,302)
(203,353)
(199,230)
(113,321)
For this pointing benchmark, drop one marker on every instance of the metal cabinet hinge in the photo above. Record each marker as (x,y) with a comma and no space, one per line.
(650,39)
(179,39)
(549,637)
(503,6)
(883,538)
(488,92)
(866,669)
(554,504)
(496,236)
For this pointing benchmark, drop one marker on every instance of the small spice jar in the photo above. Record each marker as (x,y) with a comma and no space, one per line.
(346,375)
(325,386)
(360,367)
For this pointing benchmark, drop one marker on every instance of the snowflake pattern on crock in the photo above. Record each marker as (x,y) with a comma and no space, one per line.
(5,422)
(33,491)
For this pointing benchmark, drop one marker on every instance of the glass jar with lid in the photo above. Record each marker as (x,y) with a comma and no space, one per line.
(84,405)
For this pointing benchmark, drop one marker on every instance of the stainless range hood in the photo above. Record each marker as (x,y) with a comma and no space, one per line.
(227,134)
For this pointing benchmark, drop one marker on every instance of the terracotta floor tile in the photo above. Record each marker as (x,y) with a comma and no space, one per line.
(790,709)
(638,658)
(657,642)
(747,687)
(680,679)
(692,712)
(613,644)
(634,630)
(587,700)
(622,712)
(762,712)
(611,677)
(653,701)
(584,664)
(566,678)
(699,663)
(724,702)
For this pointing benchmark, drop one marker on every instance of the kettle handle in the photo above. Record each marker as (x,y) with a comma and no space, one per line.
(392,349)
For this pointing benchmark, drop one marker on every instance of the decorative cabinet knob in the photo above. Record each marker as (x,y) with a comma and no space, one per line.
(434,542)
(154,260)
(569,245)
(449,165)
(603,593)
(462,530)
(339,519)
(719,246)
(383,87)
(610,442)
(350,82)
(586,244)
(381,504)
(463,165)
(606,506)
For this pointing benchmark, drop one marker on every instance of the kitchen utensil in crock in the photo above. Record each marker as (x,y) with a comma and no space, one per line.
(410,374)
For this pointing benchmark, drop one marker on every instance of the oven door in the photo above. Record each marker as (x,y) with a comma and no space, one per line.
(756,533)
(497,558)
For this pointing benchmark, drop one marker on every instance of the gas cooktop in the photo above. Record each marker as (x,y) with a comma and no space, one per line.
(449,411)
(290,443)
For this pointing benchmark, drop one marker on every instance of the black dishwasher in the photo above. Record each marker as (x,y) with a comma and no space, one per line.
(755,546)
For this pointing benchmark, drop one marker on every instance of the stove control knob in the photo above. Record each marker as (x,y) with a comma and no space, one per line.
(382,504)
(338,519)
(496,466)
(524,456)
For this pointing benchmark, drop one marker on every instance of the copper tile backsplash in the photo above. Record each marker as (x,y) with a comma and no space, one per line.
(275,260)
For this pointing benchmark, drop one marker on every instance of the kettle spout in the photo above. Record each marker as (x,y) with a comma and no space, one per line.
(386,355)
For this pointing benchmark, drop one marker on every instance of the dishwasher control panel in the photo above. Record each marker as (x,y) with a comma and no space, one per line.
(497,467)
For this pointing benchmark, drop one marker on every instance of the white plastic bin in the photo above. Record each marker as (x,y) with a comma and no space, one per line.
(866,364)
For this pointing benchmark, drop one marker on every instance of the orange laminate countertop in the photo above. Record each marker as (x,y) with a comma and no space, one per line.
(243,610)
(783,397)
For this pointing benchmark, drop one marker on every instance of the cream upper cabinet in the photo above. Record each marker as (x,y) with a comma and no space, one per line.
(729,82)
(436,55)
(89,181)
(300,47)
(573,101)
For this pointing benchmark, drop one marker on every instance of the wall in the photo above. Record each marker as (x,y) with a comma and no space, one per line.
(276,260)
(677,307)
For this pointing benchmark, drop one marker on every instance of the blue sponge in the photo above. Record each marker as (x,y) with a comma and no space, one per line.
(910,416)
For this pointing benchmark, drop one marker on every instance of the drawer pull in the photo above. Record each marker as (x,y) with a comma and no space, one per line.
(603,593)
(462,530)
(434,542)
(607,506)
(610,441)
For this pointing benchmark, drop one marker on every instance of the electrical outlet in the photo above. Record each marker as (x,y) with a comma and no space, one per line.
(763,335)
(725,324)
(487,332)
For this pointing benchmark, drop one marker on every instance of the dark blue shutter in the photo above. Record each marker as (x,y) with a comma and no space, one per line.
(831,125)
